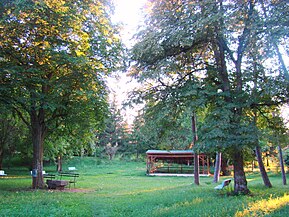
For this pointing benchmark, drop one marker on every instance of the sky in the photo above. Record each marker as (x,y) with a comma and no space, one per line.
(128,13)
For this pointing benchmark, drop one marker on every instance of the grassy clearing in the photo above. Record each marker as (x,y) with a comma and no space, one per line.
(121,189)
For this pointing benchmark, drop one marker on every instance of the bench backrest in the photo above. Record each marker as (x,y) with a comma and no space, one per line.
(226,182)
(69,174)
(71,168)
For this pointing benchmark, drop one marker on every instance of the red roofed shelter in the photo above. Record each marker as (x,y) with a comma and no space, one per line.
(175,162)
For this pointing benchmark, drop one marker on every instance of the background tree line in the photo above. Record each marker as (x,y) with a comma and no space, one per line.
(221,60)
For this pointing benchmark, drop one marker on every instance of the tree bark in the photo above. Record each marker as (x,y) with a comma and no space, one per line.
(59,163)
(1,158)
(217,167)
(196,169)
(240,182)
(263,172)
(196,156)
(38,133)
(282,165)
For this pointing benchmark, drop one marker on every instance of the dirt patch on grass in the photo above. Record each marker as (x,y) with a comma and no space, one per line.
(77,190)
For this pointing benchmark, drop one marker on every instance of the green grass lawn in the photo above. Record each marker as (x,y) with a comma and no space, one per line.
(121,188)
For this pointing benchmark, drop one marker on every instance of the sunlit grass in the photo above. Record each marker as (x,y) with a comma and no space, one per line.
(264,207)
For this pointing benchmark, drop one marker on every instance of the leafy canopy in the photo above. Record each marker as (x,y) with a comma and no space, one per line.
(218,57)
(53,56)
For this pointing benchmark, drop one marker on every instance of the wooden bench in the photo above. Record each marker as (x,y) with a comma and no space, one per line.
(70,175)
(223,185)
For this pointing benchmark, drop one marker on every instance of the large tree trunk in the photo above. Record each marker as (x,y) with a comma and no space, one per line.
(217,167)
(262,167)
(38,133)
(282,165)
(240,182)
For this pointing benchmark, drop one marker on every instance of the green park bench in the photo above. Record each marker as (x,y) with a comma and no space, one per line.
(49,176)
(70,175)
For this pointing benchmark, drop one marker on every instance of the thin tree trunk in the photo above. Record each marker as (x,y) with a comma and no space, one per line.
(59,163)
(267,160)
(263,172)
(282,165)
(240,182)
(217,167)
(1,158)
(196,156)
(137,151)
(196,169)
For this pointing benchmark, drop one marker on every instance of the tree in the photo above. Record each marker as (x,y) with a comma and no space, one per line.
(112,137)
(111,150)
(217,167)
(53,56)
(280,136)
(196,155)
(12,134)
(202,50)
(143,135)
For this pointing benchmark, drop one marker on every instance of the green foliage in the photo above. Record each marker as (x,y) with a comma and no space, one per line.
(13,136)
(206,56)
(53,58)
(286,157)
(114,132)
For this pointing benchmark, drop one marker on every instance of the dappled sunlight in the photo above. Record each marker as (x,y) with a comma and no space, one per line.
(264,207)
(178,205)
(16,177)
(250,180)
